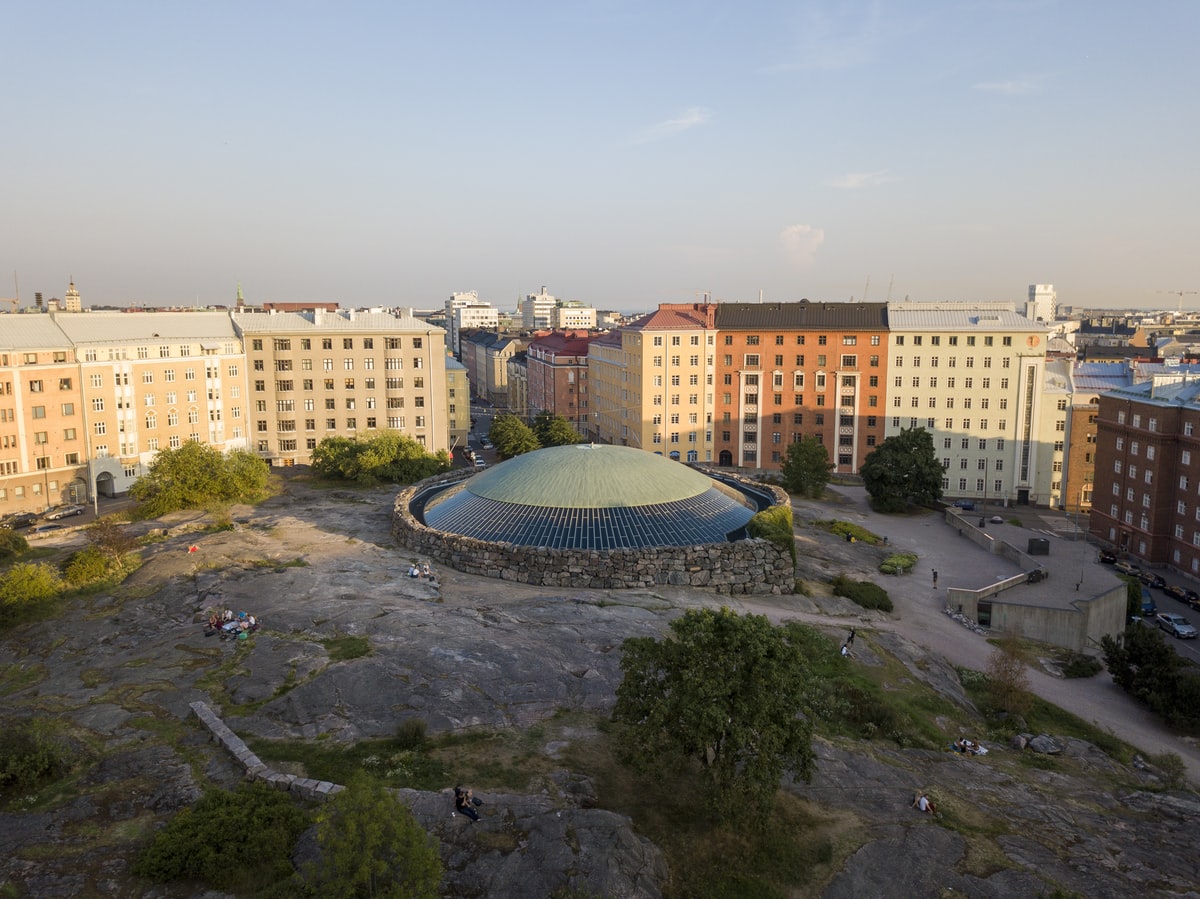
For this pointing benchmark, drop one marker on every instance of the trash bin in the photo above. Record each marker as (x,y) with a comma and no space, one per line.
(1038,546)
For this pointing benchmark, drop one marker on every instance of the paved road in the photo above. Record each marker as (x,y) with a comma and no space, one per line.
(921,619)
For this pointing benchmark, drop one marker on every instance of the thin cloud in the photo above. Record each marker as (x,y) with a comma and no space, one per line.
(858,180)
(1012,88)
(689,118)
(801,242)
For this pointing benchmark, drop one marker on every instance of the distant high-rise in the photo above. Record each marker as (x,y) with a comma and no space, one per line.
(72,302)
(537,311)
(1043,303)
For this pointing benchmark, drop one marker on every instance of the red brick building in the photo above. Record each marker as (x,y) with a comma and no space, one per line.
(557,365)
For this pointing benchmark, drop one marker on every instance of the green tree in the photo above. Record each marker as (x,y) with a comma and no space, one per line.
(903,470)
(512,437)
(12,544)
(372,846)
(1008,681)
(806,467)
(25,588)
(554,430)
(111,537)
(723,691)
(197,476)
(385,457)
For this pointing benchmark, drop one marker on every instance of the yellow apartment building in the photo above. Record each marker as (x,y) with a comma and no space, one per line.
(340,373)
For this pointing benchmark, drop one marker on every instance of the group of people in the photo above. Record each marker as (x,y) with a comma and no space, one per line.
(422,570)
(968,747)
(846,646)
(466,802)
(230,625)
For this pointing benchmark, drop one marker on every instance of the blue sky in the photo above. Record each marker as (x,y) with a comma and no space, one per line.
(619,153)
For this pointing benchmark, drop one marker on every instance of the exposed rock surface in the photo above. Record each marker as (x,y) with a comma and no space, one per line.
(122,672)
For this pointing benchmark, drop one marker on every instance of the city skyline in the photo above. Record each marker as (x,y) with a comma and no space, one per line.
(618,155)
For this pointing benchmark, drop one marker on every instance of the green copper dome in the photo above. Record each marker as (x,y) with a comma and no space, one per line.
(589,475)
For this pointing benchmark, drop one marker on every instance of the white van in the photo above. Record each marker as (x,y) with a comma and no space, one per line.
(480,463)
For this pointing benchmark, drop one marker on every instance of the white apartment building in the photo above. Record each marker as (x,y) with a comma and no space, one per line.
(537,311)
(465,311)
(317,374)
(1043,303)
(574,316)
(972,375)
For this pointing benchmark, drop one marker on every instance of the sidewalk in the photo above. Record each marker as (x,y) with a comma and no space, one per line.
(919,616)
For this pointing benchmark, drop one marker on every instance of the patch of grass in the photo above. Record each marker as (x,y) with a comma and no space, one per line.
(846,529)
(898,563)
(16,677)
(865,593)
(346,647)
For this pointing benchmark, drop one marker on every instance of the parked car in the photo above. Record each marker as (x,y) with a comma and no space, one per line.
(996,519)
(65,512)
(965,504)
(1150,579)
(1182,594)
(46,528)
(480,463)
(1176,625)
(1108,557)
(20,520)
(1128,568)
(485,443)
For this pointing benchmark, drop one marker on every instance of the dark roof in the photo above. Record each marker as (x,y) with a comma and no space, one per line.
(782,316)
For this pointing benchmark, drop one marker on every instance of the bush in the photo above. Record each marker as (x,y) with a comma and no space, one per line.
(197,475)
(898,563)
(846,528)
(775,524)
(87,566)
(865,593)
(12,544)
(1076,664)
(26,587)
(238,840)
(29,754)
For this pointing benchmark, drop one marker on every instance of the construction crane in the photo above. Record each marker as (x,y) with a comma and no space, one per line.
(1181,294)
(16,301)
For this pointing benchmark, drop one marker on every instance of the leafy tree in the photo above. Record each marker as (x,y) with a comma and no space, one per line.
(1142,664)
(385,457)
(512,437)
(554,430)
(903,470)
(723,691)
(196,476)
(227,840)
(372,846)
(806,467)
(111,537)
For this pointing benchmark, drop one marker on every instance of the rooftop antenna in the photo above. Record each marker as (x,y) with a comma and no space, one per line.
(866,288)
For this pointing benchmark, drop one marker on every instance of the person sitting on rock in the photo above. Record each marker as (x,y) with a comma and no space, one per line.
(922,803)
(214,621)
(465,802)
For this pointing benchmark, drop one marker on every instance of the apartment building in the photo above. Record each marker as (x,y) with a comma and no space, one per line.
(972,375)
(458,402)
(486,355)
(557,376)
(517,367)
(466,312)
(318,374)
(573,316)
(655,381)
(785,371)
(1147,491)
(537,311)
(43,456)
(154,380)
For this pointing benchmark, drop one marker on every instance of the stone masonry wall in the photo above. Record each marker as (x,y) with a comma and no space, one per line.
(741,567)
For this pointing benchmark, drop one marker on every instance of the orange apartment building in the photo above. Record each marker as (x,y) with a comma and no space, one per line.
(790,370)
(557,376)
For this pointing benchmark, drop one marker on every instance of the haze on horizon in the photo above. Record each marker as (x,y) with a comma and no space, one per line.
(619,153)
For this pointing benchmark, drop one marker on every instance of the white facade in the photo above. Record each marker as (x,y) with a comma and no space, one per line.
(971,375)
(465,318)
(537,311)
(1042,304)
(574,318)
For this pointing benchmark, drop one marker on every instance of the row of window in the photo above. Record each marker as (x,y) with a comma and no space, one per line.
(285,386)
(117,354)
(396,363)
(952,362)
(951,340)
(948,402)
(284,344)
(951,383)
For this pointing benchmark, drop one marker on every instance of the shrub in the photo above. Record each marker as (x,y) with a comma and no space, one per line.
(898,563)
(846,528)
(775,524)
(86,566)
(30,753)
(12,544)
(227,840)
(865,593)
(1076,664)
(26,587)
